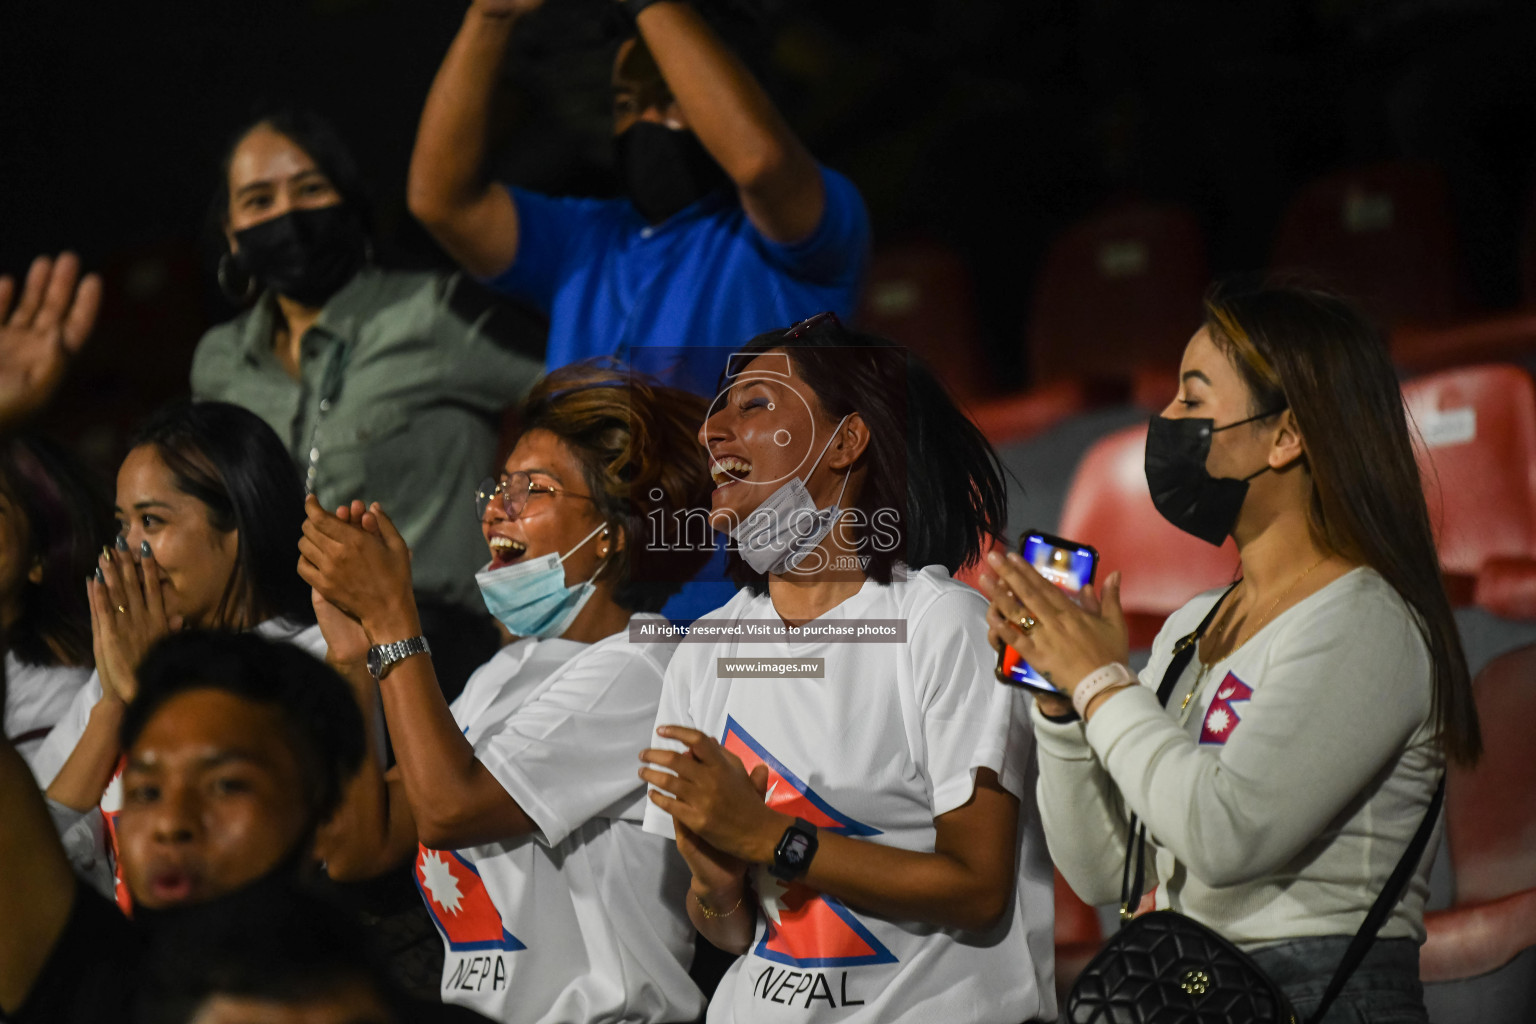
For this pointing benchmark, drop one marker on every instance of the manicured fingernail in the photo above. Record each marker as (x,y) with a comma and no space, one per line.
(144,551)
(122,543)
(101,577)
(106,552)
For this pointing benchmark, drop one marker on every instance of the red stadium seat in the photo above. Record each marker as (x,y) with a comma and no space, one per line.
(1508,337)
(1382,234)
(1490,820)
(1528,249)
(1477,429)
(921,295)
(1078,937)
(1022,416)
(968,574)
(1119,291)
(1162,567)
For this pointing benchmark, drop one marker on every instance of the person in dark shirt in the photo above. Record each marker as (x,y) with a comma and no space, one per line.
(272,954)
(238,751)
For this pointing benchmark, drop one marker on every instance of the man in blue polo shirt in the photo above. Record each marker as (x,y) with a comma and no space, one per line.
(730,226)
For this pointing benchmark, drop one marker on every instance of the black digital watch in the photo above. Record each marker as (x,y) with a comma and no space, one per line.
(792,857)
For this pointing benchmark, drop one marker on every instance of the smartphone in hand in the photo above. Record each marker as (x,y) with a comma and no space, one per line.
(1067,564)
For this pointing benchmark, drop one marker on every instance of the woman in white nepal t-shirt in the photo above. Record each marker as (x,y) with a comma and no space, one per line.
(519,804)
(1303,743)
(854,793)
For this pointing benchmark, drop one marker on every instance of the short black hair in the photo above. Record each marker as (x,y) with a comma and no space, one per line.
(321,719)
(67,516)
(276,943)
(229,459)
(929,467)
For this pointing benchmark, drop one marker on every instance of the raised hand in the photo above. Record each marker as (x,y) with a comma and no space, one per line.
(46,328)
(507,8)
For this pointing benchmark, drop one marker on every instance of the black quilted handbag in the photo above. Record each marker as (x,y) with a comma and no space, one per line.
(1165,968)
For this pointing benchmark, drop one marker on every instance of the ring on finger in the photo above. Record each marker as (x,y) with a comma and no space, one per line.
(122,609)
(1026,622)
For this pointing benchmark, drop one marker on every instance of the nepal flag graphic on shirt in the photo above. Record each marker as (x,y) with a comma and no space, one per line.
(456,897)
(805,928)
(1221,718)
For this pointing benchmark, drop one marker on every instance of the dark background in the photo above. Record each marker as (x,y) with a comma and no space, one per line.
(984,124)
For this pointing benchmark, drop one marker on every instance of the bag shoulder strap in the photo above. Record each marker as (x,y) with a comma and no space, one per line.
(1391,893)
(1136,840)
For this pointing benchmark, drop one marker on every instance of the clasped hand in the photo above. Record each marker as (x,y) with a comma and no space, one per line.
(1066,641)
(713,799)
(127,617)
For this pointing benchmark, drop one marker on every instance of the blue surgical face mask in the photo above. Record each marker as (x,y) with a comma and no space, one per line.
(531,598)
(782,532)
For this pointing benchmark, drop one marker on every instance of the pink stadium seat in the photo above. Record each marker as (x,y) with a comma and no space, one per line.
(1382,234)
(1162,567)
(1477,427)
(1490,820)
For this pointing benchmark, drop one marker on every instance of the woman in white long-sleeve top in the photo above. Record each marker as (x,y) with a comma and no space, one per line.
(1301,746)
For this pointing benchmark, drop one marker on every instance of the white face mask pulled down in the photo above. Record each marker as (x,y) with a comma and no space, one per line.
(782,532)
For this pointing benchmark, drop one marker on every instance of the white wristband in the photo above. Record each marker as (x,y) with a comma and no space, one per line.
(1096,682)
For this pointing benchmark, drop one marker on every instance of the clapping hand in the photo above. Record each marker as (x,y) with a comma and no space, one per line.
(345,639)
(361,565)
(42,332)
(1062,639)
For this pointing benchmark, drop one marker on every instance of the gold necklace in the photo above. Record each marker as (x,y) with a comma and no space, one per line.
(1200,677)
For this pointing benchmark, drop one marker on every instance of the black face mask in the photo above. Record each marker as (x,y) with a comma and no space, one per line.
(664,170)
(1182,489)
(306,255)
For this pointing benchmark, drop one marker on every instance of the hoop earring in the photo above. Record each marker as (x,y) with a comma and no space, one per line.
(225,271)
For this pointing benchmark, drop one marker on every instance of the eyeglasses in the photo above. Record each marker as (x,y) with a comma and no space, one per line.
(513,491)
(809,324)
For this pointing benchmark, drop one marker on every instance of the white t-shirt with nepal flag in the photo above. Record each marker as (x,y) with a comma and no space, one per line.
(888,739)
(584,919)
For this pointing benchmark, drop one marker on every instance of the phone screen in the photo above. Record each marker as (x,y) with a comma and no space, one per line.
(1065,563)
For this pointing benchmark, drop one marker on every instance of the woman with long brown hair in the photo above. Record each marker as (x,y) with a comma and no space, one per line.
(1302,744)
